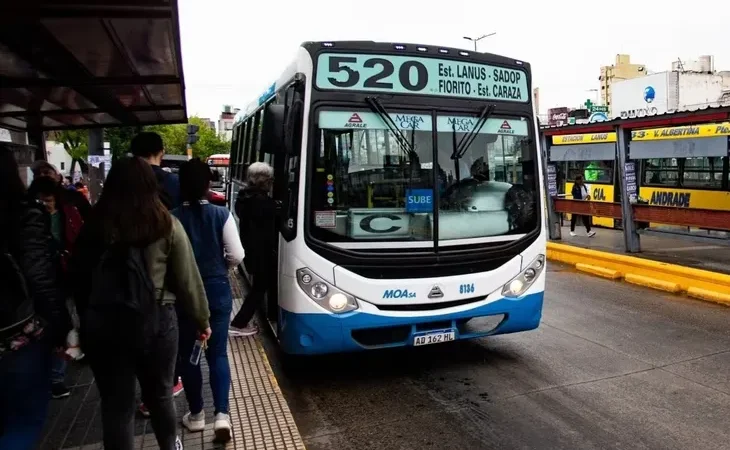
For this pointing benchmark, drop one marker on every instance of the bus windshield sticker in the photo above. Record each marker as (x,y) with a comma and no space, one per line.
(325,219)
(395,74)
(419,200)
(494,125)
(361,120)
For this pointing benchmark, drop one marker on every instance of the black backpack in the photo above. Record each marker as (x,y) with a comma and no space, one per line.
(123,308)
(16,304)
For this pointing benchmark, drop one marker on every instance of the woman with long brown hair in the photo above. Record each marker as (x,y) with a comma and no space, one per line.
(130,220)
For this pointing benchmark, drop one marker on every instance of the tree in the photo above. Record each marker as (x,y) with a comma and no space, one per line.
(120,140)
(209,143)
(175,139)
(76,144)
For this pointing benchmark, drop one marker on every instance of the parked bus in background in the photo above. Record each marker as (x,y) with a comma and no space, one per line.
(219,166)
(411,205)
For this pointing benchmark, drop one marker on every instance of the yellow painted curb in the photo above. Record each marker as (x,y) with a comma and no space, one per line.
(670,276)
(599,271)
(711,296)
(653,283)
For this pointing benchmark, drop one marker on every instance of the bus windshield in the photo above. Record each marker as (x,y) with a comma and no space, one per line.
(369,184)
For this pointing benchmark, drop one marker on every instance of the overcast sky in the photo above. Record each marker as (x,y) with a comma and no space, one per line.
(233,49)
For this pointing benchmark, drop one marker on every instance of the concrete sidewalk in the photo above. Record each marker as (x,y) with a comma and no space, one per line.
(260,415)
(695,252)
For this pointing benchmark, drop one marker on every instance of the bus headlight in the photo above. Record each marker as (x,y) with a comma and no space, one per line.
(522,282)
(318,290)
(324,294)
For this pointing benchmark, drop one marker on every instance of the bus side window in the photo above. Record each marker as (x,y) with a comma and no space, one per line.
(703,172)
(660,172)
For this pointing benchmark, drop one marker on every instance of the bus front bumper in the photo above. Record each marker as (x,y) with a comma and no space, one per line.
(309,334)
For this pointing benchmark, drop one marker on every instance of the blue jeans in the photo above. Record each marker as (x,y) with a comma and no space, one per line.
(220,303)
(24,395)
(58,368)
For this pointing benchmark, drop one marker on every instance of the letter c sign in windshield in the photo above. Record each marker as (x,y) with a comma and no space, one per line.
(366,224)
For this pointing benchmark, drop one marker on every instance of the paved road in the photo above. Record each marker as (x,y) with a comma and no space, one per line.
(611,367)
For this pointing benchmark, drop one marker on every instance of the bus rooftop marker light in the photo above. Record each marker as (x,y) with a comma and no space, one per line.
(422,49)
(443,50)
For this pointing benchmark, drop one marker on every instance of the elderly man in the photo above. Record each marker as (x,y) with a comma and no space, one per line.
(76,199)
(257,213)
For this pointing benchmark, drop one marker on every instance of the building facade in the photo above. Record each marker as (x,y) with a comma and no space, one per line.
(621,70)
(672,91)
(225,122)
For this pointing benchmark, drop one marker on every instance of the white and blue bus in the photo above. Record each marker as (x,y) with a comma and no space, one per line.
(409,183)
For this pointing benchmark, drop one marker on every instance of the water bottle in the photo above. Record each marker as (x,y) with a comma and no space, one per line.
(197,351)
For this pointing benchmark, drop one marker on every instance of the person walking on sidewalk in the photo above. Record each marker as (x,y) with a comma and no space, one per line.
(33,317)
(133,264)
(149,146)
(66,224)
(580,192)
(214,236)
(257,214)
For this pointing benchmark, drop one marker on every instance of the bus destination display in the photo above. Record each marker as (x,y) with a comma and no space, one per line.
(426,76)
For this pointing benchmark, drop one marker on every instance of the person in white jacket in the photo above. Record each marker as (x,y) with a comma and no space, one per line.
(217,246)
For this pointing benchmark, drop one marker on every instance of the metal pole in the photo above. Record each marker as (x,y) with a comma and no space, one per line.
(553,220)
(627,171)
(96,174)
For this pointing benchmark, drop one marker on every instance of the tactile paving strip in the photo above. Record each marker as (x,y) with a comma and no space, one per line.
(260,415)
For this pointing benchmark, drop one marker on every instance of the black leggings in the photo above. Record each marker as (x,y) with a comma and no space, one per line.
(116,373)
(586,222)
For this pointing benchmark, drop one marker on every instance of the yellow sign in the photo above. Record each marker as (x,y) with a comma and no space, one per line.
(593,138)
(686,132)
(599,193)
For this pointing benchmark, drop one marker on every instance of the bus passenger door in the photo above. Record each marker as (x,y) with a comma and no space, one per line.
(284,158)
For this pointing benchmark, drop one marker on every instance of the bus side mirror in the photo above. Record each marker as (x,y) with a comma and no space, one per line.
(273,132)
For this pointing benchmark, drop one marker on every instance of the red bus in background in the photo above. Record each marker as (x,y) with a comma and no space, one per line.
(219,167)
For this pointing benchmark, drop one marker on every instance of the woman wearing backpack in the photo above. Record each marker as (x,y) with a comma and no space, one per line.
(217,246)
(33,316)
(133,264)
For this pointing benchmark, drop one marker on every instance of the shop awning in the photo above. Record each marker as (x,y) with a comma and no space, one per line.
(90,63)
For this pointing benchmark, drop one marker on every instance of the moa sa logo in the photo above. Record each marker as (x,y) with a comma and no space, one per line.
(399,293)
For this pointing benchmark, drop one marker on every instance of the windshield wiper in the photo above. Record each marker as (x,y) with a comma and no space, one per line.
(466,140)
(380,110)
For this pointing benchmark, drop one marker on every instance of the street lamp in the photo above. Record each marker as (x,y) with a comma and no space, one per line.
(475,40)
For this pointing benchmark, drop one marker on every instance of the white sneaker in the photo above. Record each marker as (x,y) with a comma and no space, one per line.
(178,443)
(194,422)
(241,332)
(591,233)
(572,233)
(222,427)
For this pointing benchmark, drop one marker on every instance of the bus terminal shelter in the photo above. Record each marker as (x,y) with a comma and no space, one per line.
(88,64)
(670,169)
